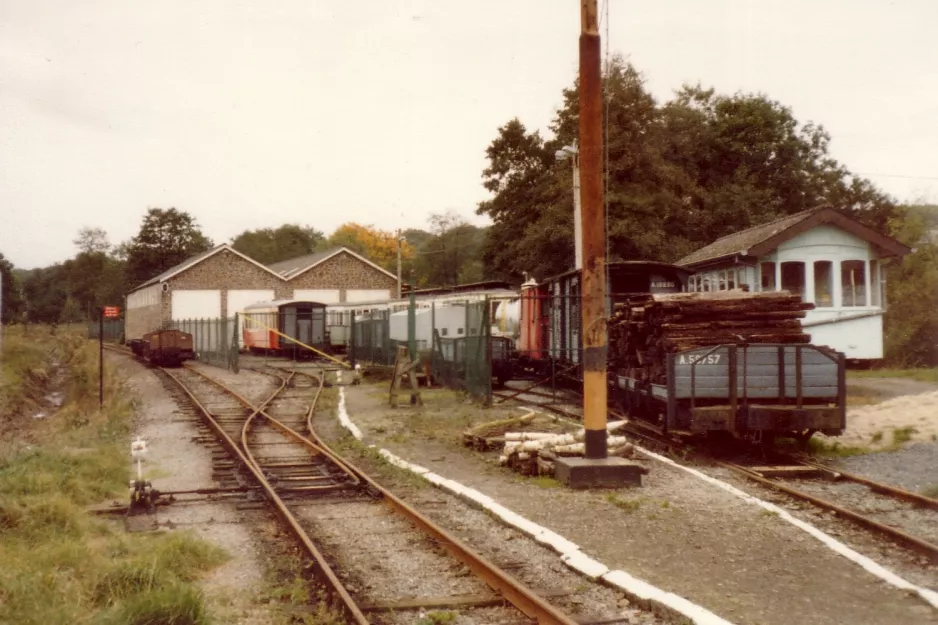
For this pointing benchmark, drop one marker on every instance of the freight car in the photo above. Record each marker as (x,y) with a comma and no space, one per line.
(286,328)
(164,347)
(550,321)
(742,382)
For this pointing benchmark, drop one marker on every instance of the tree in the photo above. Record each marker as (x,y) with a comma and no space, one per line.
(378,246)
(12,301)
(678,176)
(271,245)
(166,238)
(451,253)
(911,323)
(92,240)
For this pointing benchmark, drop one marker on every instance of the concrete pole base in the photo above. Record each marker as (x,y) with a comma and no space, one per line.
(611,472)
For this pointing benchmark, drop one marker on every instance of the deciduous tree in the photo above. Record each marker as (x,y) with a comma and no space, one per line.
(271,245)
(166,238)
(378,246)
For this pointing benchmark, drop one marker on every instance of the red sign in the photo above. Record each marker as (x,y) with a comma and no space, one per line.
(110,312)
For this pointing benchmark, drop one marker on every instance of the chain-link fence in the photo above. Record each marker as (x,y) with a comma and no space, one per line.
(215,341)
(452,341)
(113,330)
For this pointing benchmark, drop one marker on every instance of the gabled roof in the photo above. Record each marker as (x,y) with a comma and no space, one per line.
(192,261)
(289,269)
(764,238)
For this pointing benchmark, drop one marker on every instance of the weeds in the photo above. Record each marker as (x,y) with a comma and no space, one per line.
(877,437)
(59,564)
(437,618)
(834,449)
(543,481)
(628,505)
(931,491)
(902,435)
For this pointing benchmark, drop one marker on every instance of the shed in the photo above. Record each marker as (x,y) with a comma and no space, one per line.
(222,281)
(829,258)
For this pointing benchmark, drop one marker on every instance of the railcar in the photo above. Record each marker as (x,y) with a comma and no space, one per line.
(550,319)
(164,347)
(751,391)
(286,328)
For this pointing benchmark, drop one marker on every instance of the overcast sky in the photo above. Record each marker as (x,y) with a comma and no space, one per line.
(255,114)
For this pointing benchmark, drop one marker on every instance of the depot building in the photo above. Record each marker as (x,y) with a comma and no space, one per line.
(221,281)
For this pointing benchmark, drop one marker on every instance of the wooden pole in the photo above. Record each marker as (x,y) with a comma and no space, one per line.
(593,233)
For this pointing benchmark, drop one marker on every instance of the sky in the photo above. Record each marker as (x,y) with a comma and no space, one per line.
(255,114)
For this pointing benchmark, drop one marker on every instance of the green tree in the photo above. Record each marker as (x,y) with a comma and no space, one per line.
(451,253)
(911,323)
(166,238)
(12,300)
(679,176)
(271,245)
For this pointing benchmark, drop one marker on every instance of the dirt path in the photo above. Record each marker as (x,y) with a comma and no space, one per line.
(675,532)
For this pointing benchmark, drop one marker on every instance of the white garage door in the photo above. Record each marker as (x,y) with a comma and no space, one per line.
(367,295)
(196,304)
(193,309)
(238,299)
(323,296)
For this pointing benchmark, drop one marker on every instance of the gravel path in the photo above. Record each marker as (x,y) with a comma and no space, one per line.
(913,468)
(675,532)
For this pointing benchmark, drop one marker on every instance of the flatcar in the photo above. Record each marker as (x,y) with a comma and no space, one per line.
(751,391)
(286,328)
(164,347)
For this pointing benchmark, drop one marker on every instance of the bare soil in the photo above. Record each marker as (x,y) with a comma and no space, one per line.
(675,531)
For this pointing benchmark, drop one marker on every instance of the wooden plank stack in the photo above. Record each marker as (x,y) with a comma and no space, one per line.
(645,327)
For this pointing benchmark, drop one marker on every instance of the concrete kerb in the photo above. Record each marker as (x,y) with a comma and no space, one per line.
(638,591)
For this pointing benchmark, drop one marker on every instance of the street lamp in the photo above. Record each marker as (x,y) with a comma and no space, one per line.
(573,154)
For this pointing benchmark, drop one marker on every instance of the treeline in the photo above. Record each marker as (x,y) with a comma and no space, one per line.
(683,173)
(100,273)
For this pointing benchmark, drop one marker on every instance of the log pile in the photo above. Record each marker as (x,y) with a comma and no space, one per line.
(532,443)
(645,327)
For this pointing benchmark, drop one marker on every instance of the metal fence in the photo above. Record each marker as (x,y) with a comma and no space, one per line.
(215,341)
(451,341)
(113,330)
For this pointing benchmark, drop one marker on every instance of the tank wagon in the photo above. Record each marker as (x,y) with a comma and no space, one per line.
(750,386)
(164,347)
(283,327)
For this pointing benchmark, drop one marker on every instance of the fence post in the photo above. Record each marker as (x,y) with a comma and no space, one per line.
(487,346)
(235,346)
(351,341)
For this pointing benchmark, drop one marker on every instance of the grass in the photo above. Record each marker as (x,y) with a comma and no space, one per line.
(542,481)
(926,374)
(627,505)
(902,435)
(59,564)
(834,449)
(931,491)
(860,395)
(437,618)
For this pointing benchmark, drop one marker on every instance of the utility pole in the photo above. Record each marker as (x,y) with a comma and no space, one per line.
(593,232)
(596,469)
(400,240)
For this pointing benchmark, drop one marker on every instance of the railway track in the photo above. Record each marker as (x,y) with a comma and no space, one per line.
(822,486)
(380,560)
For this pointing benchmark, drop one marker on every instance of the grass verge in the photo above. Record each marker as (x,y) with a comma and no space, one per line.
(59,564)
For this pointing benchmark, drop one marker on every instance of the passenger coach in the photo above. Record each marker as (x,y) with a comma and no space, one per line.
(286,328)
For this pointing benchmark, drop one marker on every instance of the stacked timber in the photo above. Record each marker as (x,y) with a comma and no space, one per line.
(532,443)
(645,328)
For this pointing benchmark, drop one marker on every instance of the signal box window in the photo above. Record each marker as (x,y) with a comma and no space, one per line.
(768,276)
(853,282)
(823,283)
(793,278)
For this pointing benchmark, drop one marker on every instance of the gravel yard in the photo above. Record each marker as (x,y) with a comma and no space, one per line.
(675,532)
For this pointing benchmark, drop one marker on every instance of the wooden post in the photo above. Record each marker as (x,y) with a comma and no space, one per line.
(593,233)
(404,366)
